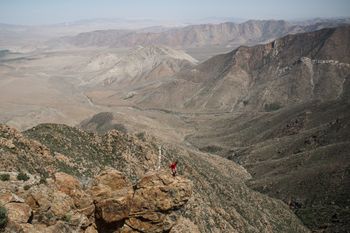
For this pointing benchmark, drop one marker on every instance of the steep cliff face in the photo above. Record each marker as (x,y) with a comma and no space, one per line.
(139,198)
(292,70)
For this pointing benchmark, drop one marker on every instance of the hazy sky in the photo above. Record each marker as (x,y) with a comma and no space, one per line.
(56,11)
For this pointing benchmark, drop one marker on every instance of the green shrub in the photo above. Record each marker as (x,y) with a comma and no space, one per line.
(272,107)
(22,176)
(43,180)
(26,187)
(48,215)
(5,177)
(67,218)
(3,217)
(141,136)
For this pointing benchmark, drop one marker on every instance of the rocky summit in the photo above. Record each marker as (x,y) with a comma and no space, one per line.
(116,186)
(109,203)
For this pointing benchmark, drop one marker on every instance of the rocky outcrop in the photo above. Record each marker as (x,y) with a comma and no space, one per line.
(148,206)
(18,212)
(72,187)
(220,202)
(110,203)
(156,199)
(20,152)
(111,193)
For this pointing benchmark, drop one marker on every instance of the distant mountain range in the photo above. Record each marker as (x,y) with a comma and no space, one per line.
(229,31)
(223,34)
(288,71)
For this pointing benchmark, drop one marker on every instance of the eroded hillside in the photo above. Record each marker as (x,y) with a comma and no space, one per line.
(288,71)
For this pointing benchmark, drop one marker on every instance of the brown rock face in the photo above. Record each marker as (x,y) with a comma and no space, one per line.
(109,182)
(67,184)
(160,192)
(113,209)
(149,206)
(155,195)
(61,204)
(112,193)
(44,198)
(71,187)
(61,199)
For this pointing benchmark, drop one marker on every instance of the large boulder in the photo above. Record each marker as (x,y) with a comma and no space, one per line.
(148,206)
(156,198)
(43,198)
(108,183)
(18,212)
(160,192)
(72,187)
(61,204)
(67,184)
(112,193)
(113,209)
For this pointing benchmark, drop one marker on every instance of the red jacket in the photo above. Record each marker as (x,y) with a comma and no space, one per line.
(173,166)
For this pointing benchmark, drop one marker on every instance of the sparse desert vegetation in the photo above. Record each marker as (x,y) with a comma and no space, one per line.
(256,112)
(4,177)
(22,176)
(3,217)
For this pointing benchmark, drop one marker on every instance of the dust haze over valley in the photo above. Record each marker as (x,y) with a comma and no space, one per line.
(255,109)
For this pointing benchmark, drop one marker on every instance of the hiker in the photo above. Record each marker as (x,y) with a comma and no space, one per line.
(173,167)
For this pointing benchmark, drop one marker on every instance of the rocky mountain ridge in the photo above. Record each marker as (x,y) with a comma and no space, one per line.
(223,34)
(220,200)
(109,204)
(288,71)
